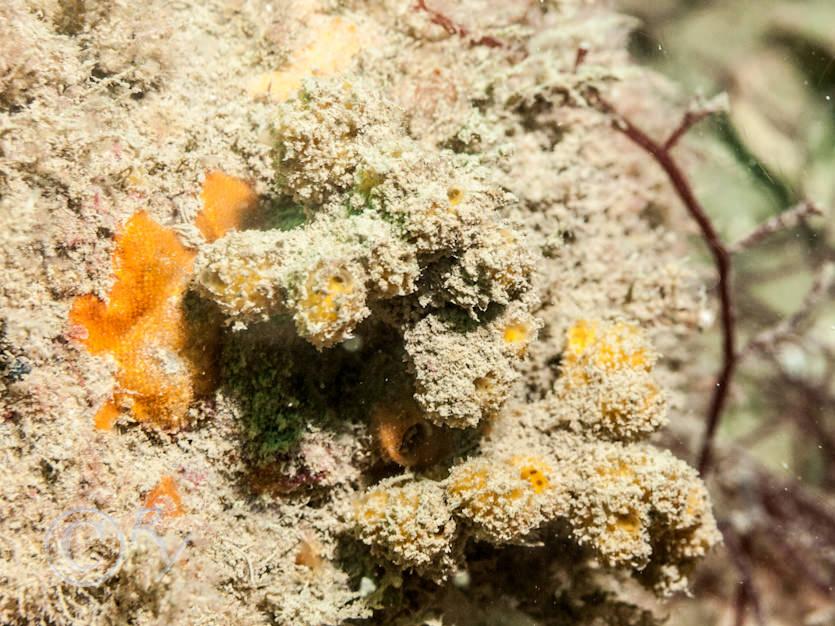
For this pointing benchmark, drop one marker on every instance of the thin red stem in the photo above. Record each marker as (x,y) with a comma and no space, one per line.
(748,595)
(690,119)
(582,52)
(721,258)
(436,17)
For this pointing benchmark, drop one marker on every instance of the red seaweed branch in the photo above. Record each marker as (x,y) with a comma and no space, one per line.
(721,253)
(436,17)
(662,154)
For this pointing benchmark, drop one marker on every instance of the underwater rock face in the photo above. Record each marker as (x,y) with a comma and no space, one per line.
(409,341)
(415,237)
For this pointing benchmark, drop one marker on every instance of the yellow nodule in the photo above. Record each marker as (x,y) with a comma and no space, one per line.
(533,470)
(630,523)
(517,334)
(455,196)
(616,346)
(581,336)
(322,304)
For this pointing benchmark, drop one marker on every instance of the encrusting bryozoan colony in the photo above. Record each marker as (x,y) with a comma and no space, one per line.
(395,231)
(634,505)
(415,238)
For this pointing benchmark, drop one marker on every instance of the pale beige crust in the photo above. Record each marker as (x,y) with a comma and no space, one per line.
(112,107)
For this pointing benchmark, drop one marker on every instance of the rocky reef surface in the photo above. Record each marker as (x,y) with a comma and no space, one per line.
(337,311)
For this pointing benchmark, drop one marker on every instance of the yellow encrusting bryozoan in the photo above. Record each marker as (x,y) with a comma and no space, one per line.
(534,470)
(609,346)
(502,499)
(607,383)
(630,504)
(322,304)
(407,523)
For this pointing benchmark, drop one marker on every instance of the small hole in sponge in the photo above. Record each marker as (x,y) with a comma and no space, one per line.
(484,385)
(415,436)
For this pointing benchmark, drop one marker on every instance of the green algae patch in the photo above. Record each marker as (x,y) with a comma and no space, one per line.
(270,393)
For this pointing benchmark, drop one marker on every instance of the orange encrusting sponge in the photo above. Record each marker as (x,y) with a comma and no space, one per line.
(141,324)
(227,203)
(161,364)
(165,497)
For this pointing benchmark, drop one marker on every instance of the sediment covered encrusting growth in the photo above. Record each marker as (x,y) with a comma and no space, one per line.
(634,506)
(414,236)
(408,523)
(420,240)
(395,231)
(607,386)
